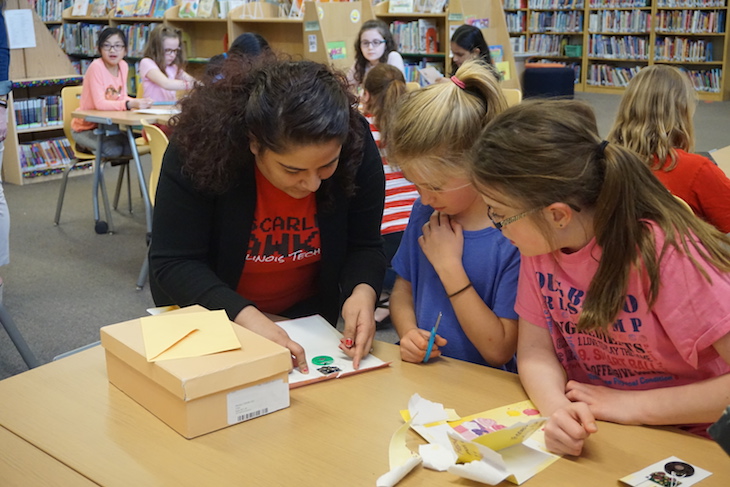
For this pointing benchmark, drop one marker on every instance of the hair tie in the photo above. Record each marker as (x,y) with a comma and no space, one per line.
(458,82)
(602,148)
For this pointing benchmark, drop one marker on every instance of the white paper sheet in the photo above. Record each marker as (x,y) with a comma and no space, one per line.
(319,338)
(21,32)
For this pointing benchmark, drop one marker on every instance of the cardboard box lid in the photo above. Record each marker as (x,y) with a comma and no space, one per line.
(192,378)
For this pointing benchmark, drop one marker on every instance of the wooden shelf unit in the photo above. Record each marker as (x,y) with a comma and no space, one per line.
(597,70)
(39,71)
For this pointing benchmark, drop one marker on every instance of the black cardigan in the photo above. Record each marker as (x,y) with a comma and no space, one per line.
(199,240)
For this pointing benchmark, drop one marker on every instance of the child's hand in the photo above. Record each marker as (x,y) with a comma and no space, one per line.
(568,428)
(413,345)
(605,403)
(140,103)
(442,242)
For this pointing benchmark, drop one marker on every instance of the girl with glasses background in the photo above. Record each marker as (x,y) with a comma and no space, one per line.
(623,305)
(655,120)
(161,70)
(105,88)
(451,260)
(374,45)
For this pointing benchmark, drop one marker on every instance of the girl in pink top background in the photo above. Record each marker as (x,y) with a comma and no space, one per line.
(105,88)
(622,295)
(162,67)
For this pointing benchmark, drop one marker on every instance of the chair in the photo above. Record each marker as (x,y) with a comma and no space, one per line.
(70,97)
(158,145)
(7,322)
(513,96)
(412,85)
(548,81)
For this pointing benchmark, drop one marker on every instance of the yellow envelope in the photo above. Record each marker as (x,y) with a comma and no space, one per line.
(171,336)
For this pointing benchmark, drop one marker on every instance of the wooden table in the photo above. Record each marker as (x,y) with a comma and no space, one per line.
(335,433)
(23,464)
(126,120)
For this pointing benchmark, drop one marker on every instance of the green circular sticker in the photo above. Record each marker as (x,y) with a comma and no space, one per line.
(322,360)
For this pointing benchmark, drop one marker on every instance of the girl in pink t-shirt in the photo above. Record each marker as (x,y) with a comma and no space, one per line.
(161,69)
(622,296)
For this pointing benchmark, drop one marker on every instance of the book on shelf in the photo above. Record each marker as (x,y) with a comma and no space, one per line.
(496,53)
(205,9)
(400,6)
(41,155)
(99,8)
(160,7)
(188,9)
(80,8)
(143,8)
(125,8)
(427,36)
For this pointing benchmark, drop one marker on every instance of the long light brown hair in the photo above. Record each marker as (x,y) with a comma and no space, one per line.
(155,49)
(543,152)
(655,115)
(385,84)
(442,121)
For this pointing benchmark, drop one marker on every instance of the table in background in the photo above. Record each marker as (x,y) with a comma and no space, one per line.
(127,120)
(334,433)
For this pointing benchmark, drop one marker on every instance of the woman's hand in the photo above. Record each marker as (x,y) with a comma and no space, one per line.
(414,343)
(254,320)
(442,242)
(358,311)
(568,428)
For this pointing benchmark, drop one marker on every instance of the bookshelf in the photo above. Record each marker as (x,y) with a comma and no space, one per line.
(284,34)
(456,13)
(34,151)
(619,37)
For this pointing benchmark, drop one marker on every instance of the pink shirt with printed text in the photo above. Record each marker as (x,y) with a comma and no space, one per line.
(667,345)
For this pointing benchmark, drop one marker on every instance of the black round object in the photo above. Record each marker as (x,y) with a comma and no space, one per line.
(680,469)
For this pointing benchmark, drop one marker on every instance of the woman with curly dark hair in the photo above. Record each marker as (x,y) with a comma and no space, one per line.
(270,201)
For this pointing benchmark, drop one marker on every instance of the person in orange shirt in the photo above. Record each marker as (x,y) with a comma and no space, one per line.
(655,120)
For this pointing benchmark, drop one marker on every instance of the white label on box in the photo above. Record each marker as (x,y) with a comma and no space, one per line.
(256,401)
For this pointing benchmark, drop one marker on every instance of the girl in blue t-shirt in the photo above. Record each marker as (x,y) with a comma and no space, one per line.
(451,261)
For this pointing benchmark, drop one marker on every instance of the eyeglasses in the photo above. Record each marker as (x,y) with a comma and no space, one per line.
(503,222)
(376,43)
(112,47)
(433,189)
(172,51)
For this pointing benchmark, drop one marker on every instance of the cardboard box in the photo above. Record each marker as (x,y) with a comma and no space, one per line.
(195,396)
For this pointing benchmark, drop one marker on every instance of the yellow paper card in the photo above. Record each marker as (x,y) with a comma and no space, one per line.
(466,451)
(171,336)
(504,438)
